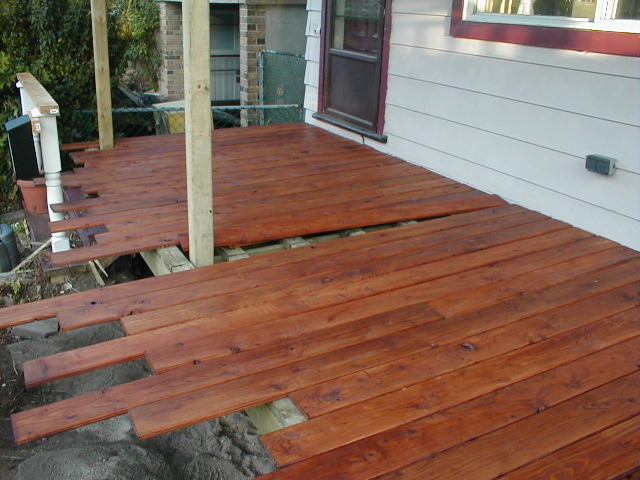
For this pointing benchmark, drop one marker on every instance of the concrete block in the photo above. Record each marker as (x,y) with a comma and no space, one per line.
(39,329)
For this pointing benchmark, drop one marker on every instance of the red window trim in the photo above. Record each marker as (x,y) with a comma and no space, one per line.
(614,43)
(384,70)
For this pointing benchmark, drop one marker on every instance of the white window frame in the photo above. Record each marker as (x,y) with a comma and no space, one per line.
(603,20)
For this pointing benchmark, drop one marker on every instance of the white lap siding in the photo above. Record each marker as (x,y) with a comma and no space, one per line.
(513,120)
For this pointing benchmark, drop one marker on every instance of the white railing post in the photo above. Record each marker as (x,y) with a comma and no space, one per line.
(43,114)
(52,174)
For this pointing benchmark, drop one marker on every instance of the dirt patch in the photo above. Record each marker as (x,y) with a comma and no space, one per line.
(223,449)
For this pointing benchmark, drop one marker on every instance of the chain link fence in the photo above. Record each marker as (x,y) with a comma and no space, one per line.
(159,120)
(281,82)
(281,78)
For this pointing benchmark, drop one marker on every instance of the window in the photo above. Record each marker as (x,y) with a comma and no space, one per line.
(603,26)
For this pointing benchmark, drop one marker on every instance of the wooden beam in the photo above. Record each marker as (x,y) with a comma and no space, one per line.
(38,95)
(103,82)
(195,15)
(166,260)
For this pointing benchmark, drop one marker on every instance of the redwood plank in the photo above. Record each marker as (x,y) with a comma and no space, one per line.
(411,251)
(200,340)
(126,231)
(16,315)
(89,408)
(442,272)
(378,414)
(609,454)
(483,341)
(96,220)
(494,454)
(93,252)
(484,295)
(198,347)
(269,230)
(341,317)
(307,189)
(328,256)
(116,204)
(411,442)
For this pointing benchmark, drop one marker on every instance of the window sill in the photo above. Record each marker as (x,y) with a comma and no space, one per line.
(351,128)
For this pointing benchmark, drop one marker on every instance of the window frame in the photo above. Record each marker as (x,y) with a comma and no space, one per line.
(559,37)
(321,114)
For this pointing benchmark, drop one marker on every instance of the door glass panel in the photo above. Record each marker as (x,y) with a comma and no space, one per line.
(224,48)
(357,26)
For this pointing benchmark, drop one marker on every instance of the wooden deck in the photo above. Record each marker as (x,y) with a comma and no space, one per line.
(312,182)
(493,343)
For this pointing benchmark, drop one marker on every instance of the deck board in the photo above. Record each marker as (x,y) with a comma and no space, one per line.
(517,445)
(492,341)
(438,432)
(269,183)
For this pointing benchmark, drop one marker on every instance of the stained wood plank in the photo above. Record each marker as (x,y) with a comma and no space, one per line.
(327,256)
(235,235)
(319,183)
(97,220)
(519,444)
(330,321)
(378,414)
(482,340)
(115,401)
(411,442)
(409,250)
(443,275)
(485,295)
(101,299)
(198,347)
(603,455)
(606,294)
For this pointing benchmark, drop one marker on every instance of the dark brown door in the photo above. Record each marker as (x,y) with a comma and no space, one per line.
(353,60)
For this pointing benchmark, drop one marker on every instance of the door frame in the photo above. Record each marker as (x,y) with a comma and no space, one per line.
(378,134)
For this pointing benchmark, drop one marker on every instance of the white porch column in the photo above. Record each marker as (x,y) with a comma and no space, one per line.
(52,174)
(44,113)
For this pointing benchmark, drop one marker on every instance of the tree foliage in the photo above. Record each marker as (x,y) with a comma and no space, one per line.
(52,39)
(136,22)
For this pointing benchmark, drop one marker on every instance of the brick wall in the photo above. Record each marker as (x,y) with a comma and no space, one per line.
(253,25)
(171,81)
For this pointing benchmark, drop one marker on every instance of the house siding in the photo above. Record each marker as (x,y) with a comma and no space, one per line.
(513,120)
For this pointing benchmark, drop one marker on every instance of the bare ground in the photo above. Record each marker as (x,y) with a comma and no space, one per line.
(224,449)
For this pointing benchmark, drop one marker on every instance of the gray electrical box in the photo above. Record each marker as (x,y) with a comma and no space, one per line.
(601,164)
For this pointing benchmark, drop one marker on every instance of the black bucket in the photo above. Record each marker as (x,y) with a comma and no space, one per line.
(9,256)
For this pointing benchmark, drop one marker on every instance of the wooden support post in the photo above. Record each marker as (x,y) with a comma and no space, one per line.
(276,415)
(293,242)
(232,254)
(103,82)
(166,260)
(195,17)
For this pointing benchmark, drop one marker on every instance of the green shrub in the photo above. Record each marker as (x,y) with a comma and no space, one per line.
(52,40)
